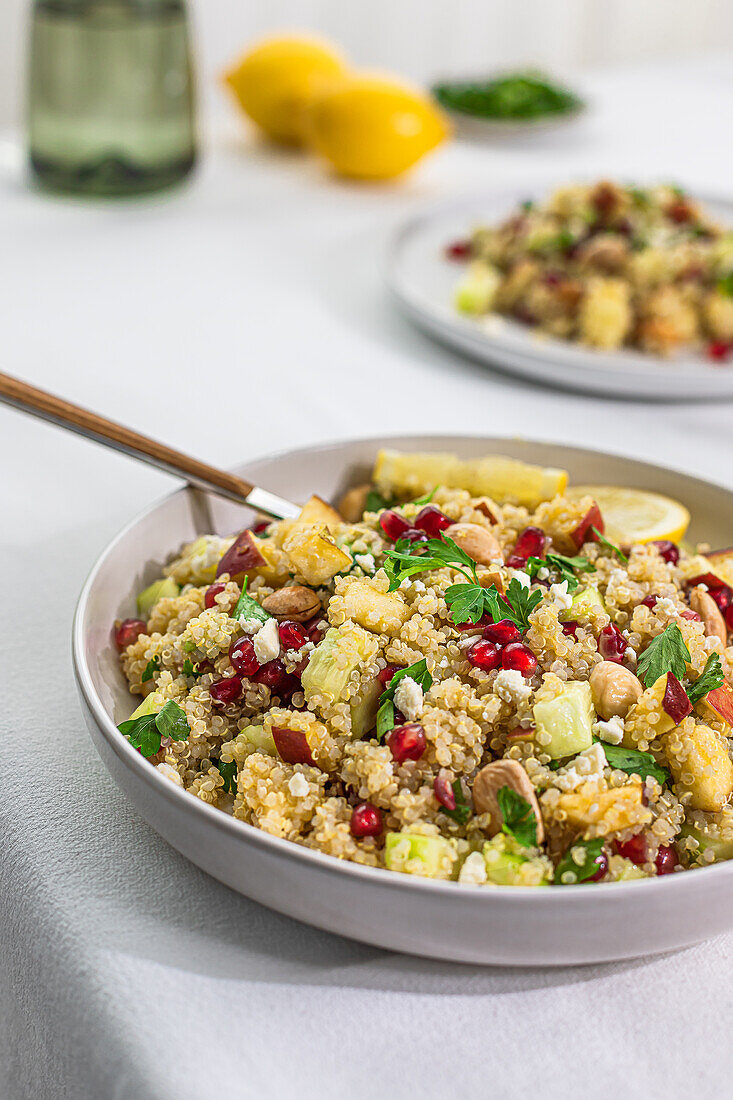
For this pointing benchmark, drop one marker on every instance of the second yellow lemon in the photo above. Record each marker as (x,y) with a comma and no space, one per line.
(372,128)
(274,81)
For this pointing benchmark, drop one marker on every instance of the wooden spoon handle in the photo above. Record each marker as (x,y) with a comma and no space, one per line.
(47,406)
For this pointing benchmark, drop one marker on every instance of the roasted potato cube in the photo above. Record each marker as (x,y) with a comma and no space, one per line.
(699,762)
(604,811)
(381,612)
(314,554)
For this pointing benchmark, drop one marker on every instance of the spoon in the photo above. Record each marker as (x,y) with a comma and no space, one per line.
(46,406)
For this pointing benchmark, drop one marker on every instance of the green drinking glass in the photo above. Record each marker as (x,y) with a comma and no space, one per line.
(111,96)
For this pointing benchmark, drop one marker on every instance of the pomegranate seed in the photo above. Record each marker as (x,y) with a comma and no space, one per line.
(728,616)
(583,533)
(128,632)
(431,520)
(224,692)
(273,675)
(414,534)
(292,635)
(314,631)
(243,657)
(484,655)
(458,250)
(530,543)
(258,528)
(667,859)
(635,848)
(211,593)
(406,742)
(719,350)
(570,628)
(649,601)
(443,789)
(612,645)
(708,579)
(502,633)
(399,718)
(602,864)
(366,820)
(690,615)
(393,524)
(387,673)
(484,621)
(722,597)
(675,702)
(520,657)
(667,550)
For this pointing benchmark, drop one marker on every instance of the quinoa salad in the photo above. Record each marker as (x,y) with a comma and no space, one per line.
(465,670)
(607,266)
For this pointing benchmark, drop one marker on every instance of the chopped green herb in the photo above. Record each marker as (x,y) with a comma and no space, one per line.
(526,206)
(145,732)
(518,816)
(427,498)
(385,715)
(150,669)
(375,502)
(189,668)
(610,546)
(711,677)
(188,646)
(725,285)
(462,811)
(228,774)
(523,95)
(409,558)
(467,602)
(248,608)
(562,565)
(634,762)
(665,653)
(589,850)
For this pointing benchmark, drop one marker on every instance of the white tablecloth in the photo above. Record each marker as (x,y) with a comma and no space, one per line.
(244,313)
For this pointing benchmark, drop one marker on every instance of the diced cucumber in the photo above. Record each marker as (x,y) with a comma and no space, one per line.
(325,675)
(508,865)
(260,739)
(146,707)
(567,719)
(476,292)
(414,854)
(584,600)
(364,710)
(721,849)
(149,596)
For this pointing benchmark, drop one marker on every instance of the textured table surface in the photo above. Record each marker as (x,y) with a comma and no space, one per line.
(241,314)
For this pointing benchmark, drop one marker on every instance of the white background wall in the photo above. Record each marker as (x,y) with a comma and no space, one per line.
(425,38)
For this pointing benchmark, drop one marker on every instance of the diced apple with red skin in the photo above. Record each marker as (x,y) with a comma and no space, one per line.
(720,700)
(292,746)
(582,532)
(675,701)
(242,557)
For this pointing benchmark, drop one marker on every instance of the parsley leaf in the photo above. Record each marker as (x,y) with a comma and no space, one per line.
(711,677)
(518,816)
(462,811)
(590,851)
(248,608)
(385,715)
(522,602)
(375,502)
(145,732)
(634,762)
(151,668)
(562,565)
(610,545)
(665,653)
(229,775)
(466,602)
(408,558)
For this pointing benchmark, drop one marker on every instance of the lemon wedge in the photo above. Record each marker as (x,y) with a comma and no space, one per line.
(634,515)
(369,127)
(274,81)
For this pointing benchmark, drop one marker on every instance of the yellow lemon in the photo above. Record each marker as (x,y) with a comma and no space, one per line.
(274,81)
(373,128)
(633,515)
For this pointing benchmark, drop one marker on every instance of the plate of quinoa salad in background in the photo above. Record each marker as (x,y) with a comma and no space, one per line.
(468,673)
(603,286)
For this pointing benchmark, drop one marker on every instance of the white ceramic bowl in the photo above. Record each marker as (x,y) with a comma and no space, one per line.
(507,925)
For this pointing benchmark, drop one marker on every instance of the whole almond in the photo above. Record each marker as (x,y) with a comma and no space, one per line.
(488,783)
(295,603)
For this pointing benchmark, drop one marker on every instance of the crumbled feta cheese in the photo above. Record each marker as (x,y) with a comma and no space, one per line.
(666,609)
(543,573)
(365,562)
(473,871)
(170,773)
(408,698)
(250,626)
(298,785)
(611,731)
(511,686)
(267,642)
(560,596)
(588,764)
(524,578)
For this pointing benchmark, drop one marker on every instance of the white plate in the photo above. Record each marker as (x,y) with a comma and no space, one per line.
(424,282)
(505,925)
